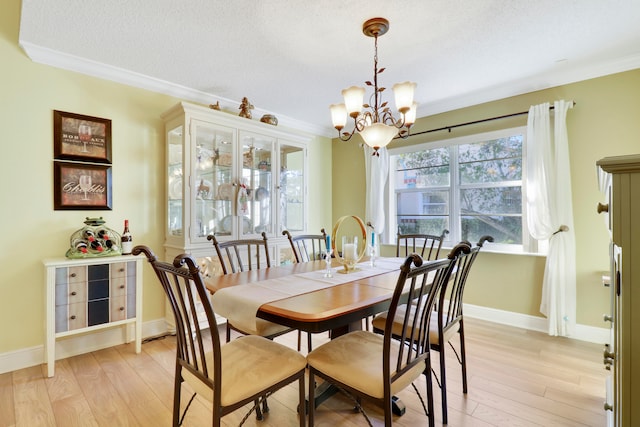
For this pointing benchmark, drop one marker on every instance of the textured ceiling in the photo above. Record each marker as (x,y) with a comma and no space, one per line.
(292,58)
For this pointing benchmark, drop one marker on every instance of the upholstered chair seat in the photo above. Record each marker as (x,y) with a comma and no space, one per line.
(355,358)
(269,363)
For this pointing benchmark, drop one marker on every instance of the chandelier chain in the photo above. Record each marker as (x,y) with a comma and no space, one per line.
(375,79)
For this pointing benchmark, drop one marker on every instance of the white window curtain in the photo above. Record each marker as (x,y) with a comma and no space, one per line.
(377,172)
(550,212)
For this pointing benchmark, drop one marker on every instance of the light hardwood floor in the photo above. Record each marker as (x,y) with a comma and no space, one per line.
(516,378)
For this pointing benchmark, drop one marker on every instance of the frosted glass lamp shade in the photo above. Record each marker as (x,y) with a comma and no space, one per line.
(410,116)
(338,115)
(353,97)
(404,95)
(378,135)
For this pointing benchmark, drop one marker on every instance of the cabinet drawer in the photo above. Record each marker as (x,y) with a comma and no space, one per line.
(119,269)
(77,292)
(118,308)
(97,312)
(118,286)
(77,315)
(77,274)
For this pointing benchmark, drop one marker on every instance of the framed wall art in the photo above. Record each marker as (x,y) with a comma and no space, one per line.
(81,186)
(78,137)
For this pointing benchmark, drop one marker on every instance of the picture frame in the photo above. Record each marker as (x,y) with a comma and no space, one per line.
(81,186)
(79,137)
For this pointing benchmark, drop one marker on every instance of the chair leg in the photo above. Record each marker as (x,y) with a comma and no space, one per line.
(228,331)
(309,345)
(299,340)
(177,386)
(388,411)
(312,397)
(429,380)
(463,357)
(259,416)
(443,384)
(302,413)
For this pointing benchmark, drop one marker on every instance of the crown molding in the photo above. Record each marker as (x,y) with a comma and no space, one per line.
(100,70)
(543,81)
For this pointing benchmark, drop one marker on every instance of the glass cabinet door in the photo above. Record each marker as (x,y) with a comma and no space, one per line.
(255,210)
(213,192)
(292,188)
(174,181)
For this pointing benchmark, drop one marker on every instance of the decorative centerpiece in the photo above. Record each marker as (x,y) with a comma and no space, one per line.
(352,247)
(245,108)
(269,119)
(94,240)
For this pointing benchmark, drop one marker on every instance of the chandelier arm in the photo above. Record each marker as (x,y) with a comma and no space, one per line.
(389,119)
(345,136)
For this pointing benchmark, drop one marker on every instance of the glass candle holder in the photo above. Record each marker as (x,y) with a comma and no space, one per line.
(327,260)
(350,252)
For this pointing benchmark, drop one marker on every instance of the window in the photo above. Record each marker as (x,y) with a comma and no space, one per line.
(471,186)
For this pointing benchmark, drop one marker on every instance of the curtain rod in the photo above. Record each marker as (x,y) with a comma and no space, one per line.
(506,116)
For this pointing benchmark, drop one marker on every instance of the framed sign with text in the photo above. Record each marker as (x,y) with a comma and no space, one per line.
(78,137)
(80,186)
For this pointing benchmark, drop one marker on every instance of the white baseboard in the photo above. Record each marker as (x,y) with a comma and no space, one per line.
(525,321)
(77,344)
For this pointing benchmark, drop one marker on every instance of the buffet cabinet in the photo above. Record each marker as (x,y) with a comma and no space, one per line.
(85,295)
(622,355)
(232,177)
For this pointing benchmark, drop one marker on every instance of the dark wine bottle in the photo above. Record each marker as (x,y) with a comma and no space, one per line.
(97,246)
(81,246)
(103,234)
(89,236)
(127,240)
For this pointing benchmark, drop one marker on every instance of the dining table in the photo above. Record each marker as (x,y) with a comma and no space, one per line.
(301,296)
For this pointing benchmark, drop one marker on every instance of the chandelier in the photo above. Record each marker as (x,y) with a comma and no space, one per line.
(376,124)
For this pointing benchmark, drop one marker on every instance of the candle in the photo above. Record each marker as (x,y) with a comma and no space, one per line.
(328,243)
(373,239)
(349,250)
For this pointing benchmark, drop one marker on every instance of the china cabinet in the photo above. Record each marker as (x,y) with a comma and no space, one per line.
(233,177)
(622,355)
(91,294)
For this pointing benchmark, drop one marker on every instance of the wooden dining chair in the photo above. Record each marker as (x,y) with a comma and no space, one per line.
(307,247)
(448,320)
(243,255)
(229,376)
(366,365)
(426,245)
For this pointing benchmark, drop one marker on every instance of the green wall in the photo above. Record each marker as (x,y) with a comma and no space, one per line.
(604,122)
(30,230)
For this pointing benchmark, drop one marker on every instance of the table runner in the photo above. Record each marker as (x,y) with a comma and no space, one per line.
(240,304)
